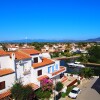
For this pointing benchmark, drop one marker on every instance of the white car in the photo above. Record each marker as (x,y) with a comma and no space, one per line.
(73,94)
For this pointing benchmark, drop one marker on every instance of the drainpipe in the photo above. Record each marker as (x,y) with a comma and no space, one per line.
(15,69)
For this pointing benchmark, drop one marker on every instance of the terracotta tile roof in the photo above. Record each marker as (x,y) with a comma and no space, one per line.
(30,51)
(44,62)
(42,77)
(72,83)
(2,52)
(5,94)
(20,55)
(34,86)
(5,71)
(64,78)
(59,71)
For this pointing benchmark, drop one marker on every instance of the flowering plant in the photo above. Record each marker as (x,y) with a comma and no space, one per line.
(47,84)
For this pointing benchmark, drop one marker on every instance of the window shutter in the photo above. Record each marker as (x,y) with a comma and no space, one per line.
(52,68)
(56,66)
(49,69)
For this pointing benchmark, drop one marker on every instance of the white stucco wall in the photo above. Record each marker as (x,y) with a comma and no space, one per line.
(34,56)
(44,71)
(9,80)
(6,62)
(12,49)
(23,67)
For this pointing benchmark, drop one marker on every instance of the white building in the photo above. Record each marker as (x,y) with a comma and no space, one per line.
(43,67)
(12,47)
(29,67)
(7,73)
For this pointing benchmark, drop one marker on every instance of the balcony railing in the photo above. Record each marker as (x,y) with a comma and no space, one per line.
(62,69)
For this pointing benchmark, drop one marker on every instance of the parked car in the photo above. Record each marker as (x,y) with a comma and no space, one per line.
(73,94)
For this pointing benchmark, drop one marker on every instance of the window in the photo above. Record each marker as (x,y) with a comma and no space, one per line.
(49,69)
(39,72)
(56,66)
(2,85)
(52,68)
(36,60)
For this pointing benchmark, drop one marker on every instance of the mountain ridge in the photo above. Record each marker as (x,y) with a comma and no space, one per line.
(49,40)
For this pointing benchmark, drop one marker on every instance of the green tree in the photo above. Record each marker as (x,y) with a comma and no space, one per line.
(20,92)
(59,86)
(87,72)
(4,47)
(83,58)
(94,54)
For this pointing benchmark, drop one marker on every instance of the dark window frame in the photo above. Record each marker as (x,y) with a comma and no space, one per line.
(2,85)
(39,72)
(36,60)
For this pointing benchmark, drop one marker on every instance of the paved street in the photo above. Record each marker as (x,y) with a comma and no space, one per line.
(89,91)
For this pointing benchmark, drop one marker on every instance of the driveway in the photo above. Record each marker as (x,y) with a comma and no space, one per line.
(90,90)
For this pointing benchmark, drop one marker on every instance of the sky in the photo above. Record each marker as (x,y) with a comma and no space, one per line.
(49,19)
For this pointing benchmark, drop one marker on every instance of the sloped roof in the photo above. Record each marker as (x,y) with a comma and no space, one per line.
(19,55)
(6,71)
(44,62)
(34,86)
(30,51)
(5,94)
(2,52)
(42,77)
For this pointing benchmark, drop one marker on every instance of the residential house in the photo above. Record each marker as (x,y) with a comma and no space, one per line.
(43,67)
(7,73)
(12,47)
(27,66)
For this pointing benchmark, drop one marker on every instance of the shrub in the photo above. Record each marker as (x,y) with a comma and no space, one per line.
(42,94)
(63,94)
(69,89)
(46,84)
(78,82)
(20,92)
(59,86)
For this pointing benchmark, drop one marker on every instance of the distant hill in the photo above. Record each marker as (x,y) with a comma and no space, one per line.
(94,40)
(36,40)
(45,40)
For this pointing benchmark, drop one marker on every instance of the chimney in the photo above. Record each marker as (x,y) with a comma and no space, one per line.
(13,56)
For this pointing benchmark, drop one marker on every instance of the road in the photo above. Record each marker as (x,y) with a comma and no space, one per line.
(89,91)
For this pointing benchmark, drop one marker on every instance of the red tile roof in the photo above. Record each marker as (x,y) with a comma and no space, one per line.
(34,86)
(5,94)
(44,62)
(59,71)
(42,77)
(2,52)
(64,78)
(20,55)
(5,71)
(30,51)
(72,83)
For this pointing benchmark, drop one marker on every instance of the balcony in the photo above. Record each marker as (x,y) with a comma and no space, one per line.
(26,72)
(61,70)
